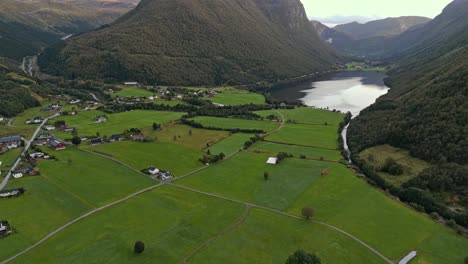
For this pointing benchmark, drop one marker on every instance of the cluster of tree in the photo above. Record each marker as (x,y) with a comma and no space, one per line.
(392,167)
(282,155)
(302,257)
(239,111)
(118,108)
(252,140)
(14,97)
(195,124)
(208,159)
(418,192)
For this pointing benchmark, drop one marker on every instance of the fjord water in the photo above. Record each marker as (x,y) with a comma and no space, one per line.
(344,91)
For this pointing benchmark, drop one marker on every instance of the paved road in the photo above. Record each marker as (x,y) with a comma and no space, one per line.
(26,148)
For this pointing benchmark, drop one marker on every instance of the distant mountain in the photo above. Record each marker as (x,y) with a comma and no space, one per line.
(381,28)
(26,26)
(426,111)
(197,42)
(337,39)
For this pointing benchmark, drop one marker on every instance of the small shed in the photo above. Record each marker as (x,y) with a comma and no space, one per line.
(272,160)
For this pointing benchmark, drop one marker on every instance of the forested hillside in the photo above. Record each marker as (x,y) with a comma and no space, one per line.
(426,112)
(197,42)
(26,26)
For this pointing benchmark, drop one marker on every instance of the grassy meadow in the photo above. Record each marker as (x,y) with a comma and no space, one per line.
(230,144)
(306,115)
(320,136)
(297,151)
(232,96)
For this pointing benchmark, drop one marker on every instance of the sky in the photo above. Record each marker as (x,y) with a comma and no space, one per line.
(345,11)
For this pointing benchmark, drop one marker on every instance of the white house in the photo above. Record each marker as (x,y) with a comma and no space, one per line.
(49,127)
(153,170)
(272,160)
(17,175)
(131,83)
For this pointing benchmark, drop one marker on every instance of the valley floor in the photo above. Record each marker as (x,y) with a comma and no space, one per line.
(92,203)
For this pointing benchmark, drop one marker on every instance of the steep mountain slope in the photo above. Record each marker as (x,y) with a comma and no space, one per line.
(28,25)
(339,40)
(197,42)
(426,112)
(388,27)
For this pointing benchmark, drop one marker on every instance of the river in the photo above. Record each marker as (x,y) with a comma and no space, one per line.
(344,91)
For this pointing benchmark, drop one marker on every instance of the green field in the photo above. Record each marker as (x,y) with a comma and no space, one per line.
(309,152)
(232,96)
(127,91)
(117,123)
(186,136)
(178,159)
(8,159)
(266,237)
(241,177)
(306,115)
(233,123)
(169,221)
(307,135)
(230,144)
(376,157)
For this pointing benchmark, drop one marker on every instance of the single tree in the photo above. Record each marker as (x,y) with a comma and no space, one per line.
(156,126)
(76,140)
(307,212)
(266,175)
(302,257)
(139,247)
(98,134)
(208,152)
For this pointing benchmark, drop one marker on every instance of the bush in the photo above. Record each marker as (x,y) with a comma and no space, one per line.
(301,257)
(139,247)
(392,167)
(435,216)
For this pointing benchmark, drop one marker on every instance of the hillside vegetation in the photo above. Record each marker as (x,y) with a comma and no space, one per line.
(197,42)
(27,26)
(426,112)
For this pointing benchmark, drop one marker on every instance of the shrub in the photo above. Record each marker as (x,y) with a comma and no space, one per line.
(139,247)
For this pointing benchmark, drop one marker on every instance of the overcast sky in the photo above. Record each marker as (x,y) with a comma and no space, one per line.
(350,9)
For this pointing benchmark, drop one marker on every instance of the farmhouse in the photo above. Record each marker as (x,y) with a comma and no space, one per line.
(96,141)
(74,101)
(11,142)
(153,170)
(137,137)
(12,193)
(17,175)
(115,138)
(4,228)
(27,170)
(272,160)
(57,145)
(101,119)
(49,127)
(131,83)
(46,136)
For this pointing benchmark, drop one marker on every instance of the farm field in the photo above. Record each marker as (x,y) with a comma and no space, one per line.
(241,177)
(128,91)
(177,159)
(171,222)
(307,135)
(233,123)
(117,123)
(186,136)
(43,207)
(306,115)
(96,183)
(230,144)
(309,152)
(266,237)
(19,120)
(377,155)
(343,200)
(8,159)
(232,96)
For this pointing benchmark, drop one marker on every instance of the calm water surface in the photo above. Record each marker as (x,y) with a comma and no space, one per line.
(344,91)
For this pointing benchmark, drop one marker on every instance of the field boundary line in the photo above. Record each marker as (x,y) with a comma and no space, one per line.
(78,219)
(288,215)
(240,221)
(299,145)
